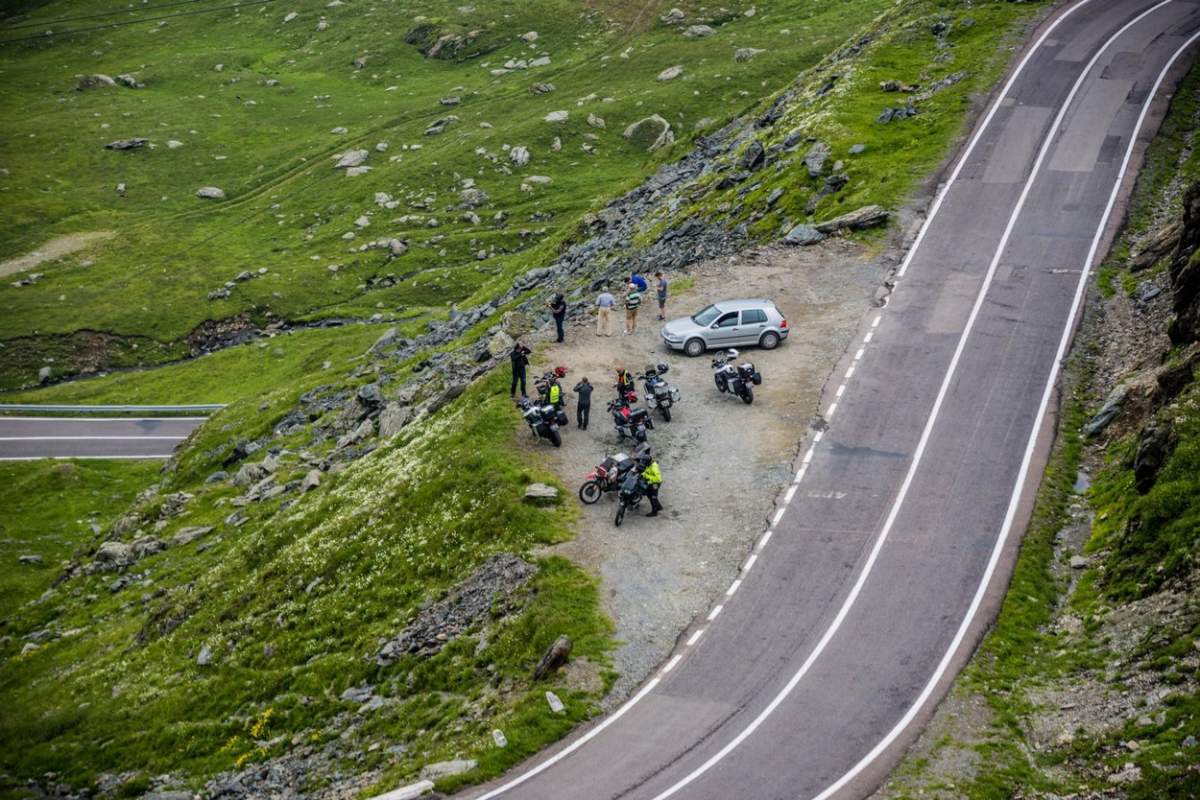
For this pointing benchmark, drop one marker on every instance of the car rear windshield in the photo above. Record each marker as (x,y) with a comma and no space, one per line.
(706,316)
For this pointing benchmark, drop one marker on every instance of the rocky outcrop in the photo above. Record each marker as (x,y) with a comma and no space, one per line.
(491,589)
(1185,272)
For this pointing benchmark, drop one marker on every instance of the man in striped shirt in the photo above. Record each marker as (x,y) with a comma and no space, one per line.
(633,301)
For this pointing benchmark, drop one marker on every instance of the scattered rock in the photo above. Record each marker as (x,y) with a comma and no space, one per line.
(744,54)
(673,17)
(450,101)
(1108,412)
(1079,562)
(556,116)
(540,492)
(444,769)
(519,155)
(650,133)
(44,374)
(542,88)
(351,158)
(865,217)
(499,738)
(210,193)
(892,114)
(392,419)
(698,31)
(410,792)
(855,149)
(753,157)
(530,37)
(94,82)
(129,81)
(554,657)
(30,560)
(438,126)
(311,481)
(803,235)
(174,144)
(595,121)
(815,159)
(190,534)
(556,705)
(670,73)
(1155,445)
(205,656)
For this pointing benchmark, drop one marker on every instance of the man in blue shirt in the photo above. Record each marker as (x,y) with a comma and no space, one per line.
(604,308)
(638,281)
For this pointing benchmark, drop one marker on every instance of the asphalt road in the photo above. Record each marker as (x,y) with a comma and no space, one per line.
(28,438)
(889,553)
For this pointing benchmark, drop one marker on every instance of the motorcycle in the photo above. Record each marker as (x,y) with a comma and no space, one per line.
(628,421)
(633,489)
(659,393)
(608,475)
(739,380)
(543,420)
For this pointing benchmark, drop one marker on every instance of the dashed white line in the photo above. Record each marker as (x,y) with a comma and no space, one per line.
(800,473)
(671,664)
(749,562)
(870,335)
(762,542)
(715,611)
(808,456)
(858,356)
(841,390)
(733,587)
(818,436)
(875,322)
(829,411)
(778,516)
(695,637)
(849,372)
(791,492)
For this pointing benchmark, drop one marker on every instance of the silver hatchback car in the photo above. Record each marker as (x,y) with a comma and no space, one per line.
(727,323)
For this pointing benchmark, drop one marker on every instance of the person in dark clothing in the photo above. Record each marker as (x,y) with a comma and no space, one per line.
(625,383)
(558,307)
(583,405)
(520,359)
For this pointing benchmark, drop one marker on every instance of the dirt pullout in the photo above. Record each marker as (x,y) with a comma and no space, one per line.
(55,248)
(723,462)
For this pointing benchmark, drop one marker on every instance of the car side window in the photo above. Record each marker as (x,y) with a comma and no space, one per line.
(753,316)
(728,320)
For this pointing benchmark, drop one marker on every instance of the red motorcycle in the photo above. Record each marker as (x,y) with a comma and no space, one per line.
(608,474)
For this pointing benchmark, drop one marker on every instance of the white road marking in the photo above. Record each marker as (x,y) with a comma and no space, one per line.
(870,335)
(818,436)
(762,542)
(859,354)
(875,322)
(749,562)
(787,498)
(671,664)
(733,587)
(575,745)
(695,637)
(778,516)
(808,456)
(1014,500)
(829,411)
(713,614)
(873,556)
(840,391)
(849,372)
(800,473)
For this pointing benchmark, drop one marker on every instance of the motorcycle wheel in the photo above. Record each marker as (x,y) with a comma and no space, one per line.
(722,384)
(666,411)
(620,515)
(590,492)
(555,438)
(747,395)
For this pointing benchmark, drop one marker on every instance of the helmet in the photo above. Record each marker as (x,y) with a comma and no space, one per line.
(560,372)
(662,368)
(732,353)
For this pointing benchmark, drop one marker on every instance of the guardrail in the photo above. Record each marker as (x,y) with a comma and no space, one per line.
(201,408)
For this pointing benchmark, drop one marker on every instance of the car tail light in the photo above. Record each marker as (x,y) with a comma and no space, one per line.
(783,324)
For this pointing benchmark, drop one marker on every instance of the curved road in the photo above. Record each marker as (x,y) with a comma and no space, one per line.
(29,438)
(891,550)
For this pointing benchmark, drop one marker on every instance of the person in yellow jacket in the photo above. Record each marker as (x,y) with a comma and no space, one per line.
(652,477)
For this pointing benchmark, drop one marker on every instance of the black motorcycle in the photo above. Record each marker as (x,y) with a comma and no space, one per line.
(633,489)
(659,393)
(549,388)
(630,422)
(543,420)
(737,379)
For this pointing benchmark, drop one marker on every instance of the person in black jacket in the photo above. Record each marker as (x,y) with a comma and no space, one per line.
(583,405)
(558,308)
(520,359)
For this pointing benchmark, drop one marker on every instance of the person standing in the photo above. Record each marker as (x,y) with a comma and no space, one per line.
(660,289)
(633,301)
(558,308)
(520,359)
(583,403)
(604,310)
(652,477)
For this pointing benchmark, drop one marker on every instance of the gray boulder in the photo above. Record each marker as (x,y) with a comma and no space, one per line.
(744,54)
(815,159)
(135,143)
(1108,412)
(444,769)
(250,474)
(698,31)
(205,657)
(114,556)
(650,133)
(351,158)
(541,493)
(393,419)
(803,235)
(754,156)
(311,481)
(129,81)
(190,534)
(96,81)
(865,217)
(30,560)
(210,193)
(670,73)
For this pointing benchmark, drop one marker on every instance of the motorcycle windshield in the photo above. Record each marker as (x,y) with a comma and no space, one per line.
(629,485)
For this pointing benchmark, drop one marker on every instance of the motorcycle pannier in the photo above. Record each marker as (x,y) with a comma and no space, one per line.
(562,417)
(757,378)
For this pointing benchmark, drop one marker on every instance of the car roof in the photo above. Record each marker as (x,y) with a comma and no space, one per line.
(738,305)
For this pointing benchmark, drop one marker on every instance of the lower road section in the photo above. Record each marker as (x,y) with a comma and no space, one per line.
(29,438)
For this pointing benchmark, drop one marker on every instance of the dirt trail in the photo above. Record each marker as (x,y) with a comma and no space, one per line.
(55,248)
(723,462)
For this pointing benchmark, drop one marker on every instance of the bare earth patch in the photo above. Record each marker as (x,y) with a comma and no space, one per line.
(55,248)
(723,462)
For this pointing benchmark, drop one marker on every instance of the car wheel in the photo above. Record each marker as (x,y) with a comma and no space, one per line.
(769,340)
(694,347)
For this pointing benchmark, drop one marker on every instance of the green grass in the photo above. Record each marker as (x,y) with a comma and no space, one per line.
(249,370)
(374,542)
(47,508)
